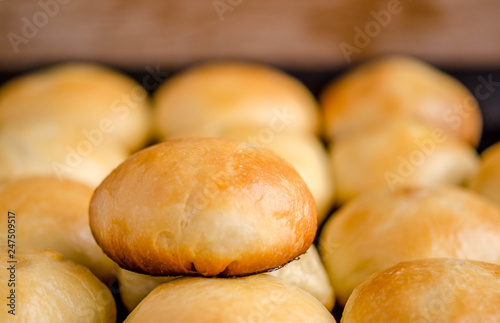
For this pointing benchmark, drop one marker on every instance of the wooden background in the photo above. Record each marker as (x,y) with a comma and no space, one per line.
(299,34)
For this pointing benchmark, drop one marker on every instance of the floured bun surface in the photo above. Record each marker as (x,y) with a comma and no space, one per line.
(257,298)
(50,289)
(428,290)
(382,228)
(206,207)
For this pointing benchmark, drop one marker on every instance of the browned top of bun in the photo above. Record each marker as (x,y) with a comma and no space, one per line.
(428,290)
(400,86)
(207,207)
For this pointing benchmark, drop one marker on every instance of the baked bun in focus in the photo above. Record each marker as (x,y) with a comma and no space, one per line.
(51,289)
(206,207)
(217,95)
(54,214)
(487,180)
(306,273)
(400,153)
(304,151)
(397,87)
(428,290)
(382,228)
(134,287)
(257,298)
(87,96)
(46,148)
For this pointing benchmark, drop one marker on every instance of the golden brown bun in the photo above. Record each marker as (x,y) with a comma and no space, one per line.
(399,153)
(87,96)
(46,148)
(218,95)
(206,207)
(382,228)
(257,298)
(304,151)
(54,214)
(400,86)
(50,289)
(487,180)
(134,287)
(306,273)
(428,290)
(309,274)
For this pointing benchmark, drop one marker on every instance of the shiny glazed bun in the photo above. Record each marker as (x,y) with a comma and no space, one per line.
(54,214)
(87,96)
(304,151)
(257,298)
(306,273)
(50,289)
(428,290)
(399,153)
(214,96)
(487,180)
(396,87)
(206,207)
(382,228)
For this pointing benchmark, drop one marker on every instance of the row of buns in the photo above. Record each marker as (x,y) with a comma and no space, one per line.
(243,202)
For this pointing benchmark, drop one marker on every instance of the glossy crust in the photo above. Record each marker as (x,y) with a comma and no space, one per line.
(399,86)
(214,96)
(45,147)
(304,151)
(306,273)
(50,289)
(487,180)
(400,153)
(221,300)
(428,290)
(206,207)
(86,96)
(54,214)
(382,228)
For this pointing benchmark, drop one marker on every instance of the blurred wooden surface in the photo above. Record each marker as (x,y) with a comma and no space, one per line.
(289,33)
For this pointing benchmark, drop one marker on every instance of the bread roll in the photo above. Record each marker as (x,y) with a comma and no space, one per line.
(304,151)
(487,179)
(400,153)
(206,207)
(54,214)
(306,273)
(217,95)
(135,287)
(309,274)
(46,148)
(396,87)
(382,228)
(258,298)
(428,290)
(49,289)
(89,97)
